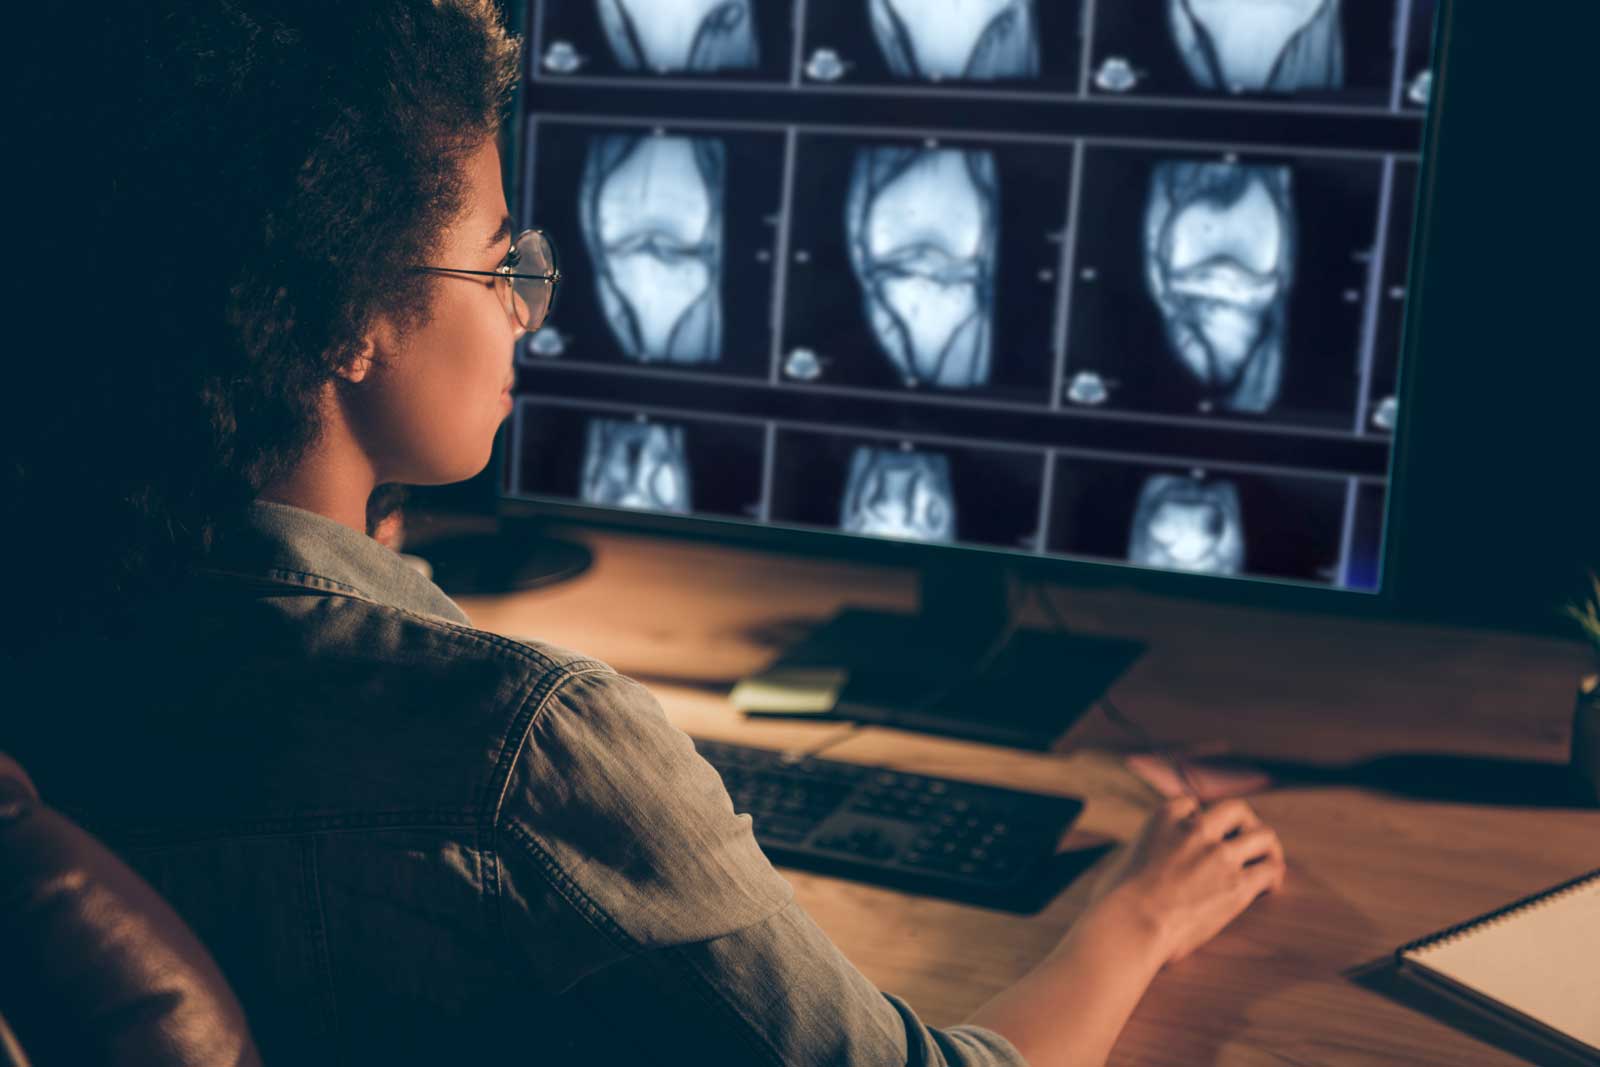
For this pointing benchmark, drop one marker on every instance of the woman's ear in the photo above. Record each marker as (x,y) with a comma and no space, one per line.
(380,341)
(358,364)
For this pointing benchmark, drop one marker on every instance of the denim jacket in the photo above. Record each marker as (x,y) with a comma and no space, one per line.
(407,840)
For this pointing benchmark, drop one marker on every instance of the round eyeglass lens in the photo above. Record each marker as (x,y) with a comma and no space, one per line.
(533,296)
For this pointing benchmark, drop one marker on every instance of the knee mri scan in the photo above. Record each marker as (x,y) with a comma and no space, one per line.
(678,36)
(650,210)
(1219,253)
(922,226)
(635,465)
(1186,524)
(894,493)
(973,40)
(1238,46)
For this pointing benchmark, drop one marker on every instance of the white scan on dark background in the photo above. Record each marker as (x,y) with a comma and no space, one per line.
(1274,46)
(1185,524)
(923,227)
(893,493)
(635,465)
(976,40)
(1219,253)
(677,36)
(650,208)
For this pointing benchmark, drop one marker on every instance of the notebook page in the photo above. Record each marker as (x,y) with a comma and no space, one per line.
(1543,961)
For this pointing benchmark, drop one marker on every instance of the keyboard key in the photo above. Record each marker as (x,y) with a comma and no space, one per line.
(783,829)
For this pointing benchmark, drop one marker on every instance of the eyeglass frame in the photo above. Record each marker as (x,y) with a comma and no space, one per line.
(554,278)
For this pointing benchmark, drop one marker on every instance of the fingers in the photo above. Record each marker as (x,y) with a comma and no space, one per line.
(1265,877)
(1257,846)
(1226,819)
(1176,809)
(1260,855)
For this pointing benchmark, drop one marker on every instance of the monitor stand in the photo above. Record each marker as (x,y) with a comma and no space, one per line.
(482,563)
(956,667)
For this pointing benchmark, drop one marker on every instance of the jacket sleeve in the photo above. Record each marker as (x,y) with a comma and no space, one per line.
(626,880)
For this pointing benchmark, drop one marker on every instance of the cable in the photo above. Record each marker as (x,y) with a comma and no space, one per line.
(1108,708)
(932,699)
(795,755)
(1114,714)
(1179,764)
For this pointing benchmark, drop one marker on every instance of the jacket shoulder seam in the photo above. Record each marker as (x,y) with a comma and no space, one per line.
(544,688)
(573,893)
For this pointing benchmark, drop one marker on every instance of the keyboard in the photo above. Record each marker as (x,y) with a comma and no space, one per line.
(944,838)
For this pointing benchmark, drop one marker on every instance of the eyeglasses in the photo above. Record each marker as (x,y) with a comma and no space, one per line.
(529,276)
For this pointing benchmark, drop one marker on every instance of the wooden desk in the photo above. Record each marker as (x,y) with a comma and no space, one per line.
(1368,869)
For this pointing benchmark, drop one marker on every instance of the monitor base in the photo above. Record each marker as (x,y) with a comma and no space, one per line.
(909,672)
(960,666)
(479,564)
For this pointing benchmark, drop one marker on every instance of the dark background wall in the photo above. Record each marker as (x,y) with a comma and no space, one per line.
(1498,518)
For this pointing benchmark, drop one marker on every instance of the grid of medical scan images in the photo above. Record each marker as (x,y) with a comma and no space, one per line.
(1109,280)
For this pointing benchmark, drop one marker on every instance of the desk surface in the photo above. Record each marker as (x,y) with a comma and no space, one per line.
(1369,869)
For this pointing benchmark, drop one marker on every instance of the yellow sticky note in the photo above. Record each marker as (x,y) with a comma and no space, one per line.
(790,690)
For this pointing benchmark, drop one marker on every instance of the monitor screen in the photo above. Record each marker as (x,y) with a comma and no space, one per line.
(1118,282)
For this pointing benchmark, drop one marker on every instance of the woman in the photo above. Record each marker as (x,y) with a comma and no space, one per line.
(404,839)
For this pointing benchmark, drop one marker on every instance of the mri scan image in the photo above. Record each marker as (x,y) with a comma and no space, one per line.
(1185,524)
(893,493)
(1226,288)
(1275,53)
(1277,46)
(673,36)
(907,489)
(669,239)
(632,464)
(926,270)
(1219,254)
(625,456)
(975,40)
(1229,521)
(922,228)
(652,220)
(956,46)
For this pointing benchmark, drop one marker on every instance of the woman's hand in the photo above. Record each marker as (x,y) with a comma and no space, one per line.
(1190,872)
(1185,877)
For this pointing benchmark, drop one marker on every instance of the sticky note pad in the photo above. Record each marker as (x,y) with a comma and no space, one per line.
(790,690)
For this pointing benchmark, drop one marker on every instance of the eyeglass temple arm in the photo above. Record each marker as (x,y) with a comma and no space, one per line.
(553,276)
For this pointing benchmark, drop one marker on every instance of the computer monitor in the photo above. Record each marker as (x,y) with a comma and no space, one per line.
(1077,288)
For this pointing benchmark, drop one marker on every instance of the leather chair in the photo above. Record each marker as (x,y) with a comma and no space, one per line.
(95,968)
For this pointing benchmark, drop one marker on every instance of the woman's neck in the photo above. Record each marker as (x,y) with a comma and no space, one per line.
(334,478)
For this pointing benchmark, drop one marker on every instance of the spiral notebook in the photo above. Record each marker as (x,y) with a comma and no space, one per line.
(1534,964)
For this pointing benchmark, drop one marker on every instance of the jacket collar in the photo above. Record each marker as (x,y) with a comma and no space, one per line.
(289,545)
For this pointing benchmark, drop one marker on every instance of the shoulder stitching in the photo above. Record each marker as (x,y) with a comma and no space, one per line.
(573,893)
(544,689)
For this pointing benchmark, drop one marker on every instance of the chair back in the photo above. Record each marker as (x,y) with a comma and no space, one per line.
(95,968)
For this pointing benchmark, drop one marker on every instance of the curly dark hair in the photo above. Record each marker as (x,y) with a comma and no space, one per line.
(244,191)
